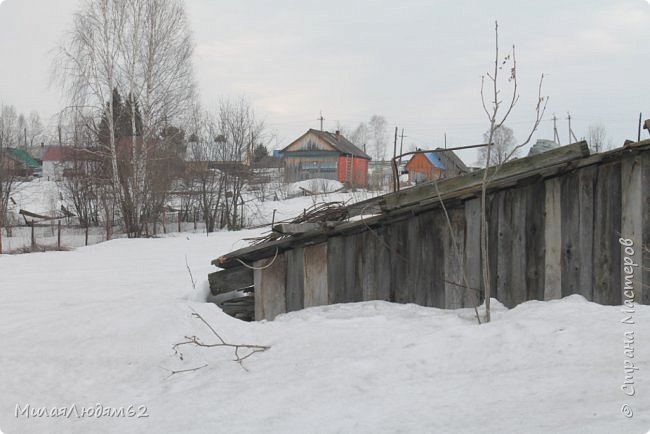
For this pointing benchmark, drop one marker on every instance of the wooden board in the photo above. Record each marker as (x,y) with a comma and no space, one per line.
(439,234)
(424,280)
(382,264)
(607,228)
(553,239)
(230,280)
(368,272)
(494,203)
(632,216)
(352,268)
(336,270)
(453,259)
(399,263)
(571,260)
(504,248)
(587,181)
(519,227)
(472,260)
(315,275)
(270,283)
(295,290)
(535,196)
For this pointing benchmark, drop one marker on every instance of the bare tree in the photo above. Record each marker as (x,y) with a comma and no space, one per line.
(204,181)
(360,136)
(143,50)
(220,158)
(497,111)
(597,137)
(35,128)
(8,138)
(240,132)
(377,126)
(9,135)
(7,179)
(503,142)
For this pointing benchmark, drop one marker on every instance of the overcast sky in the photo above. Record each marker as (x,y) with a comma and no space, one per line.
(417,62)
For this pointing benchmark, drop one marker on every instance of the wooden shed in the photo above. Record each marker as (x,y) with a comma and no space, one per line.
(321,154)
(562,222)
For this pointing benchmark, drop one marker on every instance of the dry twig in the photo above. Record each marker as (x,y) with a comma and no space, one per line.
(194,340)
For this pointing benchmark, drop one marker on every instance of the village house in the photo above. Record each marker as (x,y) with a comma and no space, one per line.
(17,162)
(57,159)
(430,165)
(322,154)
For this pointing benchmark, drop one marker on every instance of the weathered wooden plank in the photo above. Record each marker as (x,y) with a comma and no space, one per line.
(535,197)
(230,280)
(607,228)
(369,265)
(270,283)
(474,180)
(571,260)
(295,291)
(296,228)
(553,239)
(472,260)
(315,275)
(453,259)
(518,226)
(504,248)
(632,204)
(336,270)
(587,179)
(423,259)
(495,202)
(353,268)
(439,239)
(383,260)
(400,288)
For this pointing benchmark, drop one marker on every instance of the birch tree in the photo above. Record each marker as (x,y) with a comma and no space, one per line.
(142,49)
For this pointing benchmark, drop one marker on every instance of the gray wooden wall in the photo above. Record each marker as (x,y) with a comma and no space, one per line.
(548,238)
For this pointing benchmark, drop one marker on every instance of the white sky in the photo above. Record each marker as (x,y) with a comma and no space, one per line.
(417,62)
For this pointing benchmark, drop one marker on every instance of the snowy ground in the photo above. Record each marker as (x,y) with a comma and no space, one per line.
(96,326)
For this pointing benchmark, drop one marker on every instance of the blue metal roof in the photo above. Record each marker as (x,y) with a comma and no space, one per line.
(435,160)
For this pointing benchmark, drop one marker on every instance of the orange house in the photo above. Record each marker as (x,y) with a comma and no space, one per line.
(430,165)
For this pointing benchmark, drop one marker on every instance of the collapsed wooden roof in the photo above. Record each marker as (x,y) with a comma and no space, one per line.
(397,205)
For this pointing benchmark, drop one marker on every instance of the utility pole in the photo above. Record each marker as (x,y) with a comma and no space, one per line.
(445,140)
(639,136)
(570,130)
(395,144)
(401,144)
(321,119)
(556,136)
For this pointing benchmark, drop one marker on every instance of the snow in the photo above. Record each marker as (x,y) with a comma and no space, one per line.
(96,326)
(38,196)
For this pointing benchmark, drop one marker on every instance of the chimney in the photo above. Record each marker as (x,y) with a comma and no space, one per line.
(338,135)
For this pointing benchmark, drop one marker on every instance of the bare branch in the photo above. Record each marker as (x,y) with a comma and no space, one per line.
(195,341)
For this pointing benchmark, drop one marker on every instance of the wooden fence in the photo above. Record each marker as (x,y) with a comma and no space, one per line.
(554,220)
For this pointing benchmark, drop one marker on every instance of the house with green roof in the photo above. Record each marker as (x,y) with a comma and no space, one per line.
(18,162)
